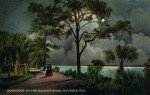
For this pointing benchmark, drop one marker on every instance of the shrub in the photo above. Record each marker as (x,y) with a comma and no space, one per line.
(93,78)
(70,72)
(127,82)
(96,83)
(147,77)
(56,69)
(97,62)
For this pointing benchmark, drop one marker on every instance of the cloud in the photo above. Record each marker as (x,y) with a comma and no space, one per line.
(137,11)
(94,50)
(33,36)
(142,58)
(141,41)
(140,21)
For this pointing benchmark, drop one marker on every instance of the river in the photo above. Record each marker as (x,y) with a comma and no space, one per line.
(107,71)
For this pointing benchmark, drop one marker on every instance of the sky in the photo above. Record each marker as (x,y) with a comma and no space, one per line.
(14,17)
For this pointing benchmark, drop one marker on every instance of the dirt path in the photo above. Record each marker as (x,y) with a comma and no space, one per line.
(57,81)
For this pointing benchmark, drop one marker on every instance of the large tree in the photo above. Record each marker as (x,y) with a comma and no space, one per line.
(122,53)
(71,14)
(11,49)
(38,51)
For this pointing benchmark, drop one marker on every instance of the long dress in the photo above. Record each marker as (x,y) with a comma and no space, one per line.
(50,70)
(47,71)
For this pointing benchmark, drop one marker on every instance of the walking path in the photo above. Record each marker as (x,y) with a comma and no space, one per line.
(57,81)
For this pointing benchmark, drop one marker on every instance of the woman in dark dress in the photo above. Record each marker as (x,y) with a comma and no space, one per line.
(49,70)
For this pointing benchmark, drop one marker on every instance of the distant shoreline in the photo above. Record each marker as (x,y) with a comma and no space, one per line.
(106,65)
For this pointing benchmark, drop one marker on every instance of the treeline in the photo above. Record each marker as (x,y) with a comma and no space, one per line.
(17,48)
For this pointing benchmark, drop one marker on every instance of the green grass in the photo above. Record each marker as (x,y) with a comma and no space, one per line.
(7,82)
(41,68)
(5,74)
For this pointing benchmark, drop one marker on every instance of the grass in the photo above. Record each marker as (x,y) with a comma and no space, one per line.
(6,81)
(5,74)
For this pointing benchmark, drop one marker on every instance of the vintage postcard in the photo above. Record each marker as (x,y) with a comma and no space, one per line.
(75,47)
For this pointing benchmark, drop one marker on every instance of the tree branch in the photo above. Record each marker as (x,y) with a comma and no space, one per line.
(71,28)
(85,32)
(86,44)
(81,15)
(87,24)
(82,35)
(91,39)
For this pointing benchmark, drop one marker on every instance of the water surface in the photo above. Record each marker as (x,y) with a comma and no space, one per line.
(107,71)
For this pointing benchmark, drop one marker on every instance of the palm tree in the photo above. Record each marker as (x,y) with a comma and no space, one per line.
(123,53)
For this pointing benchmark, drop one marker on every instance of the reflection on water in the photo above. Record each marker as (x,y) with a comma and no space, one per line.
(107,71)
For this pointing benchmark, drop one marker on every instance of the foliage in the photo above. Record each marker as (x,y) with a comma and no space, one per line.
(70,72)
(4,35)
(13,50)
(94,79)
(55,69)
(110,55)
(128,82)
(147,77)
(38,51)
(17,49)
(126,52)
(123,53)
(97,62)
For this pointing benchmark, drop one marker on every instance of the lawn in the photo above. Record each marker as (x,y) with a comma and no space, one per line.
(6,82)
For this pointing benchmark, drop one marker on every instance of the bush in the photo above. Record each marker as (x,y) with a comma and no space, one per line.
(56,69)
(127,82)
(71,73)
(97,62)
(95,81)
(147,77)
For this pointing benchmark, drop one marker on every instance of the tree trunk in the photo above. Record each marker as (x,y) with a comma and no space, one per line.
(121,66)
(17,65)
(44,56)
(78,58)
(78,50)
(44,64)
(7,59)
(10,65)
